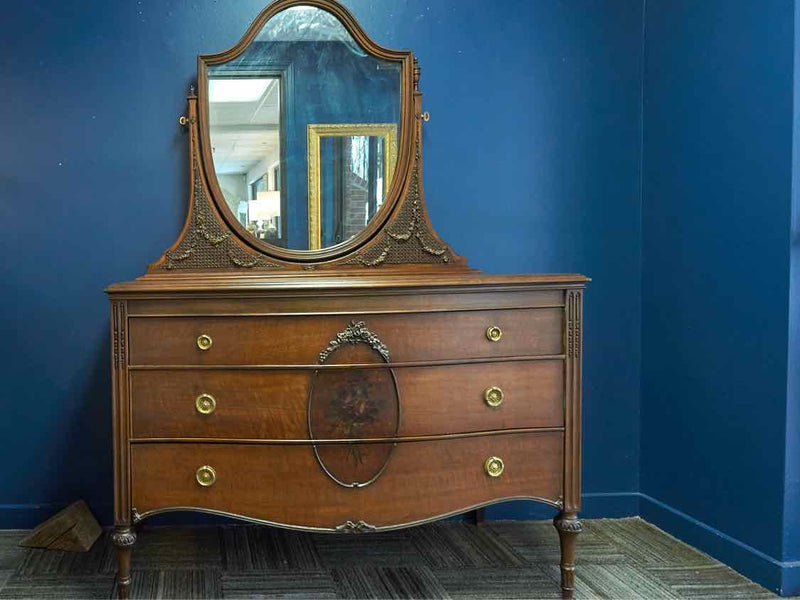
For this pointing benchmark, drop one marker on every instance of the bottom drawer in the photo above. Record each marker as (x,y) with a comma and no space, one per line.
(287,484)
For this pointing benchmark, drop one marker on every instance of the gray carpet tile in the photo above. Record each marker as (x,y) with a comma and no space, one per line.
(178,547)
(387,582)
(176,584)
(529,583)
(278,584)
(537,542)
(460,544)
(251,548)
(37,562)
(4,575)
(615,581)
(709,581)
(617,559)
(10,550)
(58,587)
(393,548)
(648,545)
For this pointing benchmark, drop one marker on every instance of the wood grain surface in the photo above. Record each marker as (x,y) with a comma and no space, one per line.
(285,484)
(273,404)
(299,339)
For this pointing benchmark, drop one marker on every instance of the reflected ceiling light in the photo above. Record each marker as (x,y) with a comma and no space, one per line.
(237,90)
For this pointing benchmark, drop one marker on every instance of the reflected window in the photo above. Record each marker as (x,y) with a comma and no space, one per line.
(350,169)
(352,185)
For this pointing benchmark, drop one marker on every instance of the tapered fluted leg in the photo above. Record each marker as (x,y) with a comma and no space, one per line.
(568,527)
(124,537)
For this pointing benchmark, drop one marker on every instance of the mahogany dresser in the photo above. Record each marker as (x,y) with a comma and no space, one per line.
(348,385)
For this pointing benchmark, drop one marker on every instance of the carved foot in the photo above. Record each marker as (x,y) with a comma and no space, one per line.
(124,538)
(568,527)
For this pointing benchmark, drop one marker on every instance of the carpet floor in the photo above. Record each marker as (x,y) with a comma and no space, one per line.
(618,559)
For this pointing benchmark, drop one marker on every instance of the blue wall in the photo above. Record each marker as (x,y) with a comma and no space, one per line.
(535,135)
(717,179)
(548,98)
(791,508)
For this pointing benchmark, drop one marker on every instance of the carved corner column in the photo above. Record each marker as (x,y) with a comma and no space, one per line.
(566,522)
(123,536)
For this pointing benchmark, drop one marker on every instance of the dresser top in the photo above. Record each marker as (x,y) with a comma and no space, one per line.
(309,282)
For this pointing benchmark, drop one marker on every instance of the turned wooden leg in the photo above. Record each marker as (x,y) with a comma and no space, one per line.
(124,537)
(568,527)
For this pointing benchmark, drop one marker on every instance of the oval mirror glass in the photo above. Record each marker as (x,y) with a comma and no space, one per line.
(303,128)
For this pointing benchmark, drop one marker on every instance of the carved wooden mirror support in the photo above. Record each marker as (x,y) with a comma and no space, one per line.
(394,231)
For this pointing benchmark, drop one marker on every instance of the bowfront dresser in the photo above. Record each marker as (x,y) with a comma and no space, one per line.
(374,385)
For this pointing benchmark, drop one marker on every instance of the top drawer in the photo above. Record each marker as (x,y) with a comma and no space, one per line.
(298,340)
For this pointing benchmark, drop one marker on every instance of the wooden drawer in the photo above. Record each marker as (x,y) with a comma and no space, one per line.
(298,340)
(452,399)
(285,484)
(273,404)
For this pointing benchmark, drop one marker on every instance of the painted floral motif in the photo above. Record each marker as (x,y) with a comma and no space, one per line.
(358,407)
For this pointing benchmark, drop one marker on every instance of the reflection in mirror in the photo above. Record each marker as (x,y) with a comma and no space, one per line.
(350,169)
(244,122)
(303,72)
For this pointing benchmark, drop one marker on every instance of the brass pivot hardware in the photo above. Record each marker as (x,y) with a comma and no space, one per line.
(204,342)
(205,404)
(493,396)
(494,466)
(183,120)
(425,116)
(494,333)
(206,476)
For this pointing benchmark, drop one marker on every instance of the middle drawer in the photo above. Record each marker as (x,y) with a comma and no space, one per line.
(273,404)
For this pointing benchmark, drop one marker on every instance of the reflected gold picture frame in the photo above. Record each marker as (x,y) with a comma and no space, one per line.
(316,131)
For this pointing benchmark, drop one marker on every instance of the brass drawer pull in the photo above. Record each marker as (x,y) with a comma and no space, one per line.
(494,466)
(204,342)
(205,404)
(494,333)
(493,396)
(206,476)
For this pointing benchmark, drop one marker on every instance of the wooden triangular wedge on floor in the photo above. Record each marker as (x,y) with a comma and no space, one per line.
(74,529)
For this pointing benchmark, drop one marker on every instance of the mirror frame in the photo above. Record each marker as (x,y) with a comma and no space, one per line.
(405,146)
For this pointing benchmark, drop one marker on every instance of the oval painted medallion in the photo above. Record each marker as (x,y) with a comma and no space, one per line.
(354,404)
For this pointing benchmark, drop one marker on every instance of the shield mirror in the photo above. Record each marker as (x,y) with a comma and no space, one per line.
(303,128)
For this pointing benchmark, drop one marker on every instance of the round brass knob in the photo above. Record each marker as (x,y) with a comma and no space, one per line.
(205,404)
(204,342)
(206,476)
(494,466)
(493,396)
(494,333)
